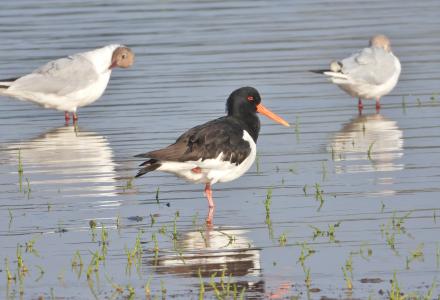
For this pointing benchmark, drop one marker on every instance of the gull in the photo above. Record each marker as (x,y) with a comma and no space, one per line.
(369,74)
(71,82)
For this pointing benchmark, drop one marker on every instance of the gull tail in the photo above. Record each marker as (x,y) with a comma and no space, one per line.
(5,83)
(148,166)
(335,68)
(319,71)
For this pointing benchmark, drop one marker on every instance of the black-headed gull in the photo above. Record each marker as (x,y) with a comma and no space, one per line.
(71,82)
(368,74)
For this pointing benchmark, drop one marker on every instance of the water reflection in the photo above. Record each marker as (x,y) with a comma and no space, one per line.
(368,143)
(74,160)
(214,251)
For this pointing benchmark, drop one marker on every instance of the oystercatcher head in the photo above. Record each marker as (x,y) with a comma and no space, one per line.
(218,151)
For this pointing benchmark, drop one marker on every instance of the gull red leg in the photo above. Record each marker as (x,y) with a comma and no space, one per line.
(66,116)
(360,105)
(208,194)
(377,105)
(75,117)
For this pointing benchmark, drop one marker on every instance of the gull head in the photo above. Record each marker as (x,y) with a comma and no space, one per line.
(381,41)
(335,66)
(123,57)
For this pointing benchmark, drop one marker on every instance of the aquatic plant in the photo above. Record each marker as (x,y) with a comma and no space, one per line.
(11,217)
(163,230)
(29,247)
(282,240)
(433,98)
(22,269)
(118,222)
(131,292)
(293,170)
(156,246)
(306,251)
(416,254)
(319,195)
(147,288)
(297,129)
(134,255)
(163,289)
(28,188)
(257,163)
(223,291)
(308,277)
(92,226)
(40,268)
(20,171)
(362,251)
(104,241)
(347,278)
(267,204)
(77,263)
(437,256)
(395,293)
(174,234)
(195,219)
(152,220)
(398,222)
(333,153)
(330,233)
(9,276)
(324,170)
(268,200)
(430,293)
(118,289)
(370,150)
(382,207)
(404,104)
(157,194)
(231,238)
(202,286)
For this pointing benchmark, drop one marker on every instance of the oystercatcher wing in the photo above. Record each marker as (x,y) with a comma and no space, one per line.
(217,151)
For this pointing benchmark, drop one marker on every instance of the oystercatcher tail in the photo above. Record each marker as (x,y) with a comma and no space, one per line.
(218,151)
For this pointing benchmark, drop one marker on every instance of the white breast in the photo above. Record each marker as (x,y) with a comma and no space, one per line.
(234,171)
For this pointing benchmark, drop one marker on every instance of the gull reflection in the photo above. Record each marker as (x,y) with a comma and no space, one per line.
(368,143)
(214,251)
(74,160)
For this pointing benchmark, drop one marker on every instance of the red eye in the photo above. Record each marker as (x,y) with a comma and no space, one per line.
(250,98)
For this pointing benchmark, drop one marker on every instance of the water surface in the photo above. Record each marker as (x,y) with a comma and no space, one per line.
(376,174)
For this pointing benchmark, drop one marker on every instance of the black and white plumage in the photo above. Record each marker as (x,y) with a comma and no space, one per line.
(218,151)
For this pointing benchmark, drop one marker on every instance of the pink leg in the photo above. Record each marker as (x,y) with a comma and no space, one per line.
(360,106)
(377,105)
(75,117)
(66,117)
(208,194)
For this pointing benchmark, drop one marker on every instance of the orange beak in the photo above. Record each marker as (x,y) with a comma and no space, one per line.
(263,110)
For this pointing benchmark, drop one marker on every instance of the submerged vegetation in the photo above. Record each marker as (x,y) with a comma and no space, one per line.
(161,254)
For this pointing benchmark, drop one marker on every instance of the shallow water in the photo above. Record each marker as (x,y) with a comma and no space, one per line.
(378,173)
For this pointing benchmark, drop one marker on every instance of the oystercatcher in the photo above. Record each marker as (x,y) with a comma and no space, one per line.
(71,82)
(371,73)
(218,151)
